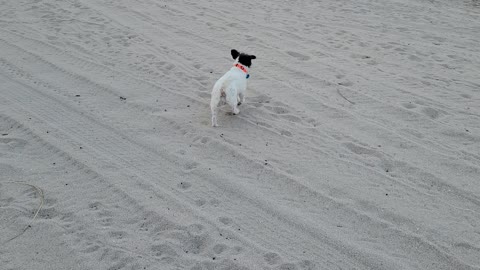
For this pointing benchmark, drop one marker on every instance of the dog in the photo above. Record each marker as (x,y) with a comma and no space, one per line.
(230,88)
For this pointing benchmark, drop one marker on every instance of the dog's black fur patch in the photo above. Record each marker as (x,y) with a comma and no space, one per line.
(243,58)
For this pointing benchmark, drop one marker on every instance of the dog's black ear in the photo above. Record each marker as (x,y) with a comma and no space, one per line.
(253,57)
(234,53)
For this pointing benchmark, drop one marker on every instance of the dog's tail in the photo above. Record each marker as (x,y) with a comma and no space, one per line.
(216,96)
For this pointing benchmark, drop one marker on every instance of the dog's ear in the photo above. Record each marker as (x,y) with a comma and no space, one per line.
(253,57)
(234,53)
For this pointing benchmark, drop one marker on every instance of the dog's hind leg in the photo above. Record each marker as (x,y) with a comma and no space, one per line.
(241,99)
(232,100)
(216,96)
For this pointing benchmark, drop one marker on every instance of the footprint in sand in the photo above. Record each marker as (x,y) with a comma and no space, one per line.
(191,165)
(219,248)
(194,244)
(288,266)
(48,213)
(276,110)
(286,133)
(184,185)
(196,229)
(117,234)
(431,112)
(299,56)
(200,202)
(7,169)
(91,248)
(307,265)
(360,150)
(12,144)
(250,38)
(409,105)
(225,220)
(345,83)
(162,250)
(415,58)
(272,258)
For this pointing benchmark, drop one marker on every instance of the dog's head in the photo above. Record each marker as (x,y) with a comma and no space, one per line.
(243,58)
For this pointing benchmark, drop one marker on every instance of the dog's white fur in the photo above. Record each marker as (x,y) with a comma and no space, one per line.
(229,89)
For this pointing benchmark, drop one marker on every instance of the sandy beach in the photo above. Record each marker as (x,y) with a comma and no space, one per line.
(358,146)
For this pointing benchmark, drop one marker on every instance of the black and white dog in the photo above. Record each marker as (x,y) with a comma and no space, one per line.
(231,87)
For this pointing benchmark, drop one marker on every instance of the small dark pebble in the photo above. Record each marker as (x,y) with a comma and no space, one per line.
(213,258)
(387,170)
(386,194)
(77,95)
(47,131)
(66,184)
(81,147)
(165,109)
(123,98)
(467,130)
(4,134)
(188,106)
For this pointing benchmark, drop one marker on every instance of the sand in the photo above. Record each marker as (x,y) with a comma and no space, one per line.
(358,146)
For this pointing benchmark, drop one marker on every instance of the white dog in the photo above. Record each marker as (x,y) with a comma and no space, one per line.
(230,88)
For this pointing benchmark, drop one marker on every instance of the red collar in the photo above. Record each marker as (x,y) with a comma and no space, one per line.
(241,67)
